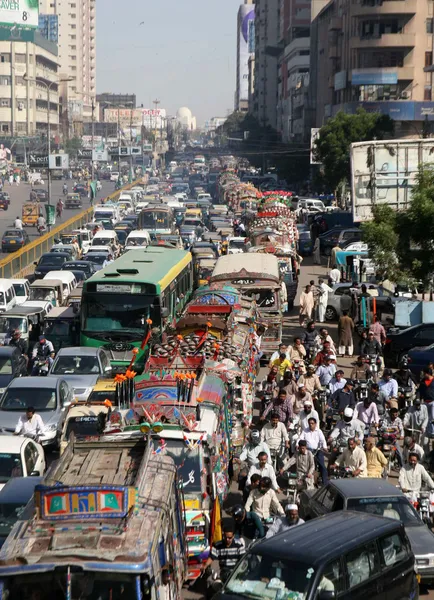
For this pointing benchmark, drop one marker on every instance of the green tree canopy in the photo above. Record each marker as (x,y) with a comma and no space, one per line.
(73,145)
(332,147)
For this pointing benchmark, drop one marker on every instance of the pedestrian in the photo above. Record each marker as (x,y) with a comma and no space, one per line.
(323,297)
(378,330)
(307,304)
(11,179)
(315,291)
(18,224)
(333,258)
(17,179)
(317,252)
(345,332)
(334,276)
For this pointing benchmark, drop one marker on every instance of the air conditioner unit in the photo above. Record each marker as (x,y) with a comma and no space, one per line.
(20,106)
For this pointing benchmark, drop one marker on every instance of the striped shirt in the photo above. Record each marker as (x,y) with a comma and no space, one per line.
(228,556)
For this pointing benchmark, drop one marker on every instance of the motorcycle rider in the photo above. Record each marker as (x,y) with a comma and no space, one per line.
(316,443)
(247,524)
(253,448)
(18,342)
(307,412)
(322,354)
(264,469)
(371,345)
(337,382)
(416,420)
(303,464)
(393,423)
(409,447)
(297,351)
(41,223)
(309,338)
(413,475)
(403,376)
(360,369)
(376,461)
(310,380)
(353,457)
(366,412)
(43,349)
(348,427)
(263,500)
(426,386)
(291,519)
(282,405)
(283,349)
(228,551)
(275,435)
(327,370)
(65,188)
(344,398)
(388,386)
(30,424)
(301,397)
(288,384)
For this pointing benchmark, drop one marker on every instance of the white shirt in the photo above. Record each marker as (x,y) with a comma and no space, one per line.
(314,439)
(276,355)
(18,224)
(304,418)
(274,437)
(335,385)
(250,453)
(355,460)
(323,297)
(335,275)
(267,471)
(34,426)
(412,479)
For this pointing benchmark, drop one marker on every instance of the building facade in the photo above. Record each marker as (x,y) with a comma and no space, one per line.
(107,100)
(377,55)
(245,49)
(77,58)
(29,75)
(263,103)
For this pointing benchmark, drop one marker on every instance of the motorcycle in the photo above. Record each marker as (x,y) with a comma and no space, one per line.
(374,362)
(405,398)
(297,369)
(41,367)
(42,229)
(292,489)
(423,502)
(387,444)
(294,432)
(341,473)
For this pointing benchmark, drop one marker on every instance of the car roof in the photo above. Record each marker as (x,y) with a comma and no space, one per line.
(11,443)
(19,489)
(365,487)
(35,382)
(82,350)
(316,540)
(7,350)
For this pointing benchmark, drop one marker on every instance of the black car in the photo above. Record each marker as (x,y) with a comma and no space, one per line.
(131,220)
(14,239)
(50,261)
(81,189)
(86,267)
(4,200)
(41,194)
(96,258)
(338,235)
(12,364)
(398,343)
(374,497)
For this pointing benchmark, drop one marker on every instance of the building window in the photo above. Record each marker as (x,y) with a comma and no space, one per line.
(429,25)
(20,58)
(19,80)
(5,80)
(5,127)
(21,127)
(5,57)
(5,102)
(428,59)
(427,92)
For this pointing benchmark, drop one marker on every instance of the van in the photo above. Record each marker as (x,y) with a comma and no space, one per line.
(106,213)
(28,318)
(47,290)
(22,289)
(344,556)
(138,238)
(105,238)
(68,282)
(8,298)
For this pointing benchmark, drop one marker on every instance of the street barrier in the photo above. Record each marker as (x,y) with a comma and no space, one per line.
(21,264)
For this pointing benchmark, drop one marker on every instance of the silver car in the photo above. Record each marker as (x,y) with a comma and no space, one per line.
(334,301)
(81,367)
(49,396)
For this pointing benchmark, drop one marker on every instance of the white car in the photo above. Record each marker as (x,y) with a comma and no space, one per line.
(98,186)
(20,457)
(236,245)
(114,176)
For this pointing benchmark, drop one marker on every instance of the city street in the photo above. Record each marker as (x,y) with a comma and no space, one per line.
(21,194)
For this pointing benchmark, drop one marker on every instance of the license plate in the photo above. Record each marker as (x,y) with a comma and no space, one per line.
(422,561)
(12,242)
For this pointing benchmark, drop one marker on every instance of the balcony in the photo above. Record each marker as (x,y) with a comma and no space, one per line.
(388,7)
(387,40)
(336,24)
(333,52)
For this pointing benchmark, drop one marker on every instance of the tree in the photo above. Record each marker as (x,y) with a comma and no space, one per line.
(73,145)
(332,147)
(402,244)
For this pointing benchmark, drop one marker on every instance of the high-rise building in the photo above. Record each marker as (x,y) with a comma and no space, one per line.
(49,27)
(29,95)
(245,49)
(264,98)
(377,55)
(77,58)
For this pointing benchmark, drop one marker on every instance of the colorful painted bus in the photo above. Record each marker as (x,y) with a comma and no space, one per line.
(117,303)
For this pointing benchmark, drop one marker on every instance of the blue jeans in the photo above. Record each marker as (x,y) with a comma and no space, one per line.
(319,460)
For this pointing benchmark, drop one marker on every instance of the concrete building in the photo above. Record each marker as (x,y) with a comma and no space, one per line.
(49,27)
(245,49)
(77,57)
(23,100)
(107,100)
(374,54)
(267,50)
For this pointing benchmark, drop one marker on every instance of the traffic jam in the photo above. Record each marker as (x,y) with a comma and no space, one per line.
(206,392)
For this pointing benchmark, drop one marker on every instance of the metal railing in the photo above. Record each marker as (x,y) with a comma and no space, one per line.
(21,263)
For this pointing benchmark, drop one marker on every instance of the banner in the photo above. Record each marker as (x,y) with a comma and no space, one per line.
(24,13)
(246,37)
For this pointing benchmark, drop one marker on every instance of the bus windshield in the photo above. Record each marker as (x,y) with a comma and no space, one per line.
(120,313)
(155,220)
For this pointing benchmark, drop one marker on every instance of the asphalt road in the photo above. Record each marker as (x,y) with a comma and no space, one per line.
(21,194)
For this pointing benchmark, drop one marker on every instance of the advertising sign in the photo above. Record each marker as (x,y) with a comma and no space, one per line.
(340,80)
(87,141)
(246,37)
(35,159)
(24,13)
(100,156)
(58,161)
(84,153)
(148,117)
(314,132)
(364,77)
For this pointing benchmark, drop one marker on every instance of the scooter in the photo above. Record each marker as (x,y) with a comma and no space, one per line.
(41,367)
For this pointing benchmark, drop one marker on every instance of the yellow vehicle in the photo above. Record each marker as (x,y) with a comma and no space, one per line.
(193,213)
(31,212)
(119,394)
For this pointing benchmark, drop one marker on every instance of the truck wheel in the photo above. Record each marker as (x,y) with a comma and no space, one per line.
(330,314)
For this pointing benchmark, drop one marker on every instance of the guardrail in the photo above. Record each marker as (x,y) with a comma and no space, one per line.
(20,264)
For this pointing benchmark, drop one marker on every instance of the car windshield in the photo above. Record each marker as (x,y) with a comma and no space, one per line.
(20,289)
(237,244)
(304,235)
(10,512)
(99,259)
(44,294)
(8,324)
(12,233)
(10,466)
(394,507)
(17,399)
(76,365)
(88,425)
(259,576)
(51,260)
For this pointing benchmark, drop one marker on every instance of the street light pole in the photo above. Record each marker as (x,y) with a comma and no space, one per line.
(93,138)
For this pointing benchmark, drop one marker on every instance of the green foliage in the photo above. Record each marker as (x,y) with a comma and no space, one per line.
(73,145)
(332,147)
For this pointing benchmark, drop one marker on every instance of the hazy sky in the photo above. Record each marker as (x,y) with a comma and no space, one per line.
(184,54)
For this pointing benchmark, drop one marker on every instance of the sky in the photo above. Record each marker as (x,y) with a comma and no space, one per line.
(183,53)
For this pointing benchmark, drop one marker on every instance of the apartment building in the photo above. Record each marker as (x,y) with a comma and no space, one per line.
(29,95)
(377,54)
(245,49)
(77,57)
(263,101)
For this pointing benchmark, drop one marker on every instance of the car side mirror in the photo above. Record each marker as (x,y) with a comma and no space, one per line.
(164,312)
(108,369)
(35,474)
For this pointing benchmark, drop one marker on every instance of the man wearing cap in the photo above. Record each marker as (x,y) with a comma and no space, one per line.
(310,380)
(344,398)
(42,350)
(282,405)
(375,459)
(281,524)
(326,371)
(317,444)
(301,397)
(353,457)
(371,345)
(305,414)
(253,449)
(345,429)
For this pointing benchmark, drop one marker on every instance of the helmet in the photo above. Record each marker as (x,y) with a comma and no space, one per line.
(238,511)
(348,412)
(255,435)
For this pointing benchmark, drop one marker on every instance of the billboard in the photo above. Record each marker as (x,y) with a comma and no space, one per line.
(246,47)
(364,77)
(385,172)
(151,118)
(24,13)
(314,133)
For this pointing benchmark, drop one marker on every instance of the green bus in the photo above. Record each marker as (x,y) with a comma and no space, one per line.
(153,283)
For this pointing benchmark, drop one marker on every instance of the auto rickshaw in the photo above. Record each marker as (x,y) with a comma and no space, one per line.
(61,326)
(31,212)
